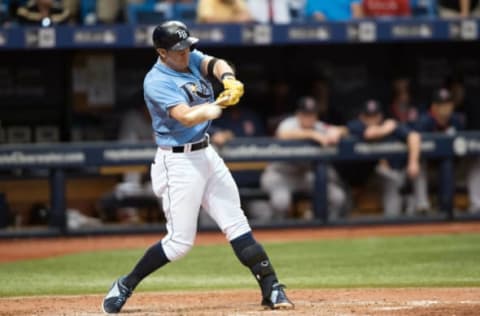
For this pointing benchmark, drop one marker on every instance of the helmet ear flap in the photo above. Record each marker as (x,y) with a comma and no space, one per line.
(192,47)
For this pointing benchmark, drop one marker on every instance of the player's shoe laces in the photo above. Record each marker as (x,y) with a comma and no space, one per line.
(116,297)
(278,299)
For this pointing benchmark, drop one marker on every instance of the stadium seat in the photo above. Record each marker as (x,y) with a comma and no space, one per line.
(3,12)
(147,17)
(4,5)
(87,7)
(149,12)
(186,12)
(424,8)
(7,3)
(8,9)
(297,10)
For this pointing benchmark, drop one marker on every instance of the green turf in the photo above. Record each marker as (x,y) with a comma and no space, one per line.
(440,260)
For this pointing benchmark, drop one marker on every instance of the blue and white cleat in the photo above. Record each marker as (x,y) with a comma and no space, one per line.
(116,297)
(278,299)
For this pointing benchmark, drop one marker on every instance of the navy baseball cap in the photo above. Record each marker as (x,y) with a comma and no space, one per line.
(173,35)
(371,107)
(442,96)
(307,105)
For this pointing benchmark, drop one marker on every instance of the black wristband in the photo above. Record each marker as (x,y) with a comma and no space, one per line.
(226,74)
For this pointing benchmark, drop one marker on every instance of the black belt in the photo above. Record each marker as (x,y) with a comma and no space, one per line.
(195,146)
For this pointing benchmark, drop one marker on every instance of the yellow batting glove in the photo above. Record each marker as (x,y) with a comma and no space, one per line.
(232,93)
(230,83)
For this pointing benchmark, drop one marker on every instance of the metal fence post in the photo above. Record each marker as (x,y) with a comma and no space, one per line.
(320,192)
(446,186)
(58,217)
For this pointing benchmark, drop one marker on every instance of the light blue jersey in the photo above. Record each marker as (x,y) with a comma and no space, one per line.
(165,88)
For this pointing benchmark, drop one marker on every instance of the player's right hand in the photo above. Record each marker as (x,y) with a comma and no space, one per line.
(390,125)
(212,111)
(319,138)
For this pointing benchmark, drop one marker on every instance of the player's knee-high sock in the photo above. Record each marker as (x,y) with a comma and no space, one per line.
(252,255)
(153,259)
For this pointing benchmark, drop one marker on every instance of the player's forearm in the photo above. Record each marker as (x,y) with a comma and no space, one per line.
(298,134)
(380,131)
(305,134)
(375,132)
(464,8)
(414,142)
(221,68)
(191,116)
(341,131)
(357,10)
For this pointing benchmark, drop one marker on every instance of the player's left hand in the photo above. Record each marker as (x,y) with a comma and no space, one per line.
(233,90)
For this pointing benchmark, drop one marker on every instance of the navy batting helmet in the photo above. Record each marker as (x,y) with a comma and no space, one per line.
(173,35)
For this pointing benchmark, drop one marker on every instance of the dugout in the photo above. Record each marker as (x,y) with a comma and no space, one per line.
(73,90)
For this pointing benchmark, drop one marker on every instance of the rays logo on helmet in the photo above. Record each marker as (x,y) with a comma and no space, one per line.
(182,34)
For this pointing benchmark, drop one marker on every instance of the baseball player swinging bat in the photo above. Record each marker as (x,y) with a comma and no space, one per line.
(187,172)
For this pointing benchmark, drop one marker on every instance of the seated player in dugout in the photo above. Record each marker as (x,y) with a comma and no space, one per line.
(123,203)
(236,122)
(468,111)
(440,118)
(282,179)
(394,173)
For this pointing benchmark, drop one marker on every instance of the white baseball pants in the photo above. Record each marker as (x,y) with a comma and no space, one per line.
(186,181)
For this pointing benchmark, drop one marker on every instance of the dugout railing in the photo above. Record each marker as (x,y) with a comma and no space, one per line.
(57,159)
